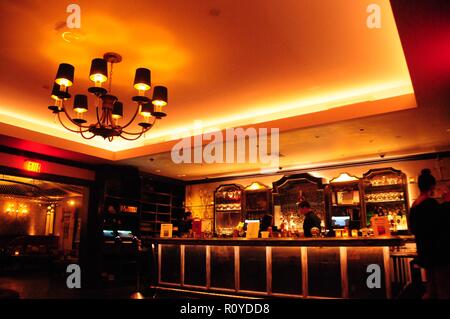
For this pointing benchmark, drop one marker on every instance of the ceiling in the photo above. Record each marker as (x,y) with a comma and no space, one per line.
(13,186)
(369,139)
(226,63)
(318,75)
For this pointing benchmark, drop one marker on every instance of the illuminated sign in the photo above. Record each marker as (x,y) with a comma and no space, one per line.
(32,166)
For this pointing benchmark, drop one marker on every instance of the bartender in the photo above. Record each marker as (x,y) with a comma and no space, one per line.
(266,222)
(185,225)
(311,220)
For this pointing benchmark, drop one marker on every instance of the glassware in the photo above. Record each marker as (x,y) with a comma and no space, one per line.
(364,232)
(345,232)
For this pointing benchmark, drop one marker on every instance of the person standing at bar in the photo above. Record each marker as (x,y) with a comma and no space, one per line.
(424,220)
(311,220)
(185,225)
(445,206)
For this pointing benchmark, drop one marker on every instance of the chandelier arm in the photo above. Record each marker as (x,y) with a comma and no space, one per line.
(69,129)
(98,117)
(132,133)
(134,116)
(132,139)
(61,122)
(143,130)
(87,138)
(97,105)
(71,120)
(110,119)
(103,117)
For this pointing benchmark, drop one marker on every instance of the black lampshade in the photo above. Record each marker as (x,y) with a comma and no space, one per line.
(57,94)
(159,96)
(65,73)
(146,110)
(117,112)
(99,70)
(142,79)
(80,103)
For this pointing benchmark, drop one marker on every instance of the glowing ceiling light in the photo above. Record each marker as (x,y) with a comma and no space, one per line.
(344,177)
(255,186)
(64,76)
(99,71)
(142,80)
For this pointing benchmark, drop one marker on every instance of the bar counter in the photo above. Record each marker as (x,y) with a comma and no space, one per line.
(290,241)
(276,267)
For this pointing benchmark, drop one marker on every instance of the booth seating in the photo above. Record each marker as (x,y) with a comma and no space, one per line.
(27,252)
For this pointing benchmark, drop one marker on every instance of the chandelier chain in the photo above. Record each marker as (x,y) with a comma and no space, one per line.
(110,76)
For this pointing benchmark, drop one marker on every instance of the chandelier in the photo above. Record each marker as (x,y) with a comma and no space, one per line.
(108,107)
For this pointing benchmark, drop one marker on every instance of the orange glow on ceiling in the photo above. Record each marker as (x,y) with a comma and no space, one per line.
(247,64)
(265,114)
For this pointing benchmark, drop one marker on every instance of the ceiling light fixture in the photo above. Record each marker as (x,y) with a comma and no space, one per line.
(108,108)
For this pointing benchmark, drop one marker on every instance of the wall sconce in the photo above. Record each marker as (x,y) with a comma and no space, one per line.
(17,208)
(51,209)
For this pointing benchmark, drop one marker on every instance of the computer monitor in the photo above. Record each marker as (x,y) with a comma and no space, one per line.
(340,221)
(125,234)
(108,233)
(109,236)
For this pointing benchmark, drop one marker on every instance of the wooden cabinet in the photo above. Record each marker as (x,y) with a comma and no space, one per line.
(140,202)
(228,208)
(257,201)
(120,200)
(386,193)
(121,213)
(290,190)
(161,203)
(345,204)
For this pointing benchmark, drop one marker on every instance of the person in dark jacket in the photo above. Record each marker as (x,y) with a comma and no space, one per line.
(266,222)
(311,220)
(445,215)
(185,224)
(445,206)
(425,217)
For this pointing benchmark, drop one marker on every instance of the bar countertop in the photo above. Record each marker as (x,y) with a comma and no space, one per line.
(300,242)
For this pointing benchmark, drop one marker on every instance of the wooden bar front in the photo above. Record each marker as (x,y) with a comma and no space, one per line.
(285,267)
